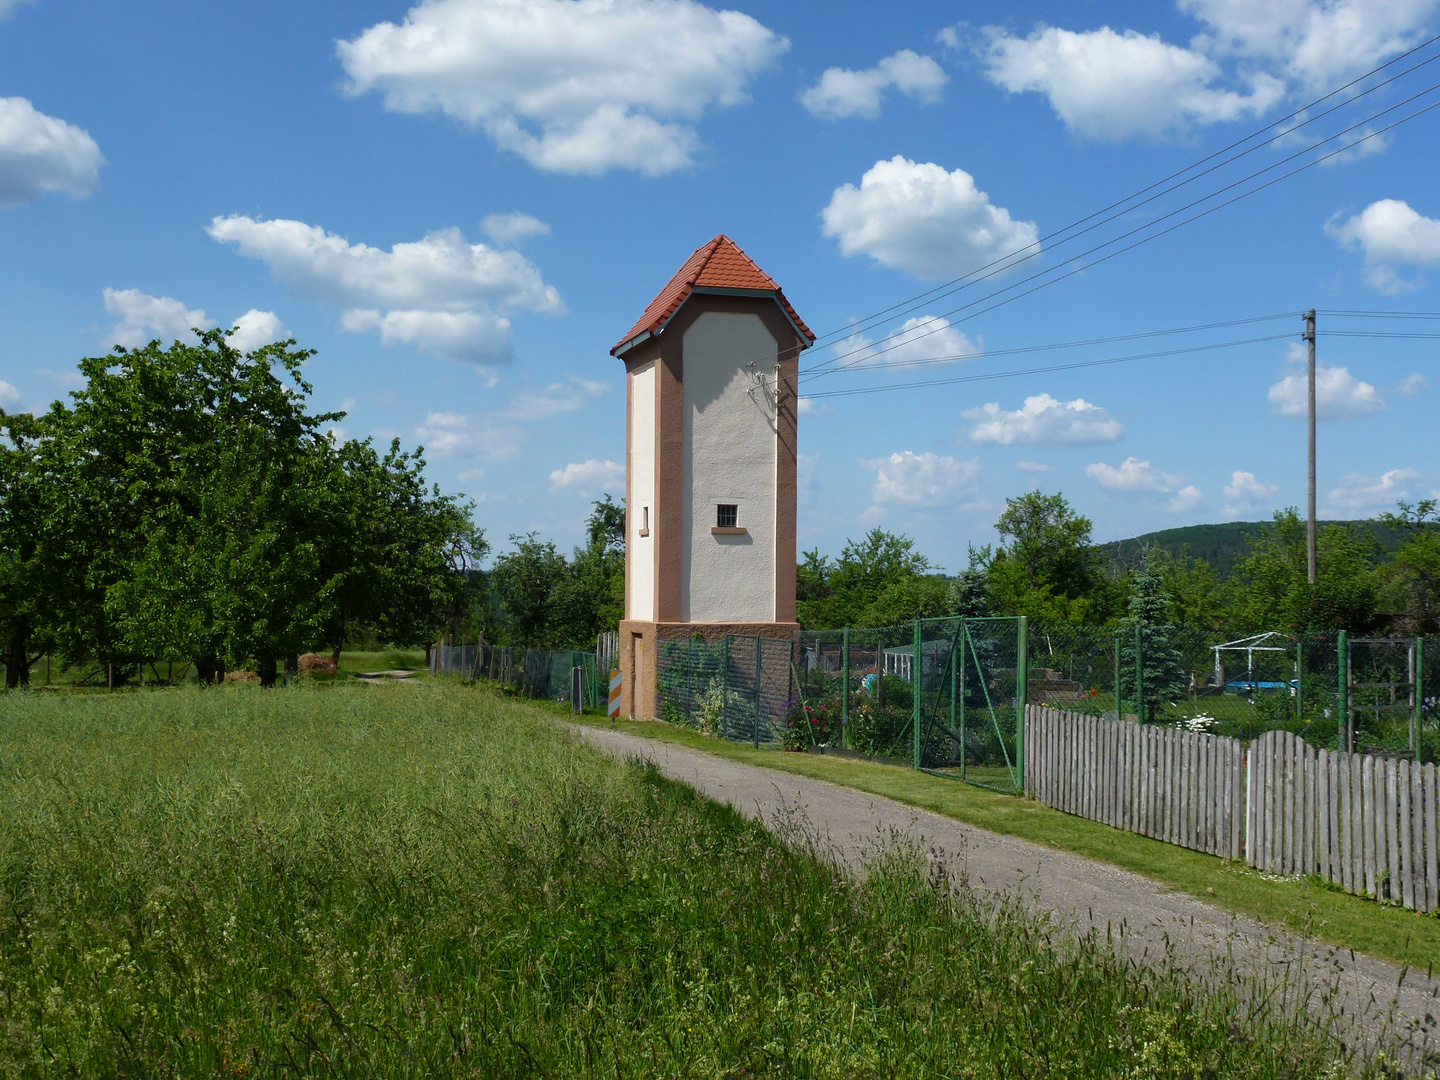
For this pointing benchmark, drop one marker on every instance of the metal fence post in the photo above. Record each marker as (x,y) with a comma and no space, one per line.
(1417,712)
(755,732)
(1342,695)
(1139,673)
(1119,701)
(918,739)
(964,639)
(845,687)
(1299,679)
(1022,697)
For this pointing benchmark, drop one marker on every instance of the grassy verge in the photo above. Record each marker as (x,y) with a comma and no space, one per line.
(1303,905)
(424,881)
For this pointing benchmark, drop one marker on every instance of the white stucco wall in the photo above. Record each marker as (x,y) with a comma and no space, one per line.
(640,550)
(729,457)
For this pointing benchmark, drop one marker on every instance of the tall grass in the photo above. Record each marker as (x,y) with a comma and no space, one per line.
(431,881)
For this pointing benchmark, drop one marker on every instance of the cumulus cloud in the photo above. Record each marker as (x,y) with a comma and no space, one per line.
(575,86)
(588,478)
(1390,234)
(452,435)
(805,406)
(507,228)
(9,396)
(921,481)
(842,92)
(1338,395)
(40,154)
(1034,467)
(144,318)
(1113,84)
(255,329)
(925,339)
(1043,419)
(1134,476)
(1245,493)
(557,398)
(1358,493)
(1411,385)
(1109,86)
(441,295)
(923,220)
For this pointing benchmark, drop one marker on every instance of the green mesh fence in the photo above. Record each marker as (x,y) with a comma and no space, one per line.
(739,687)
(537,673)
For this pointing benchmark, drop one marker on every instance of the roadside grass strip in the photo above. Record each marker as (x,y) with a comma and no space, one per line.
(431,880)
(1308,906)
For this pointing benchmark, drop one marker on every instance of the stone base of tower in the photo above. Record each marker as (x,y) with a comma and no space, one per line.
(640,648)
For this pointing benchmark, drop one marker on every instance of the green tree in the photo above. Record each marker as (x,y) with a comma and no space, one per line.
(1270,589)
(29,582)
(880,580)
(1411,583)
(1150,629)
(1047,567)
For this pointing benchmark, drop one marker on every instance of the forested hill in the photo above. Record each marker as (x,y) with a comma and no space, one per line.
(1220,545)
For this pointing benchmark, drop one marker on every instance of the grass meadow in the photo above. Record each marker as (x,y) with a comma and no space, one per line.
(431,881)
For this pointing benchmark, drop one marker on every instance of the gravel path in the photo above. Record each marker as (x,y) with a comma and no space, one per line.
(1149,919)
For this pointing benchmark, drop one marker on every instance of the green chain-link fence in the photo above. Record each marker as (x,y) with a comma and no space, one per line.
(738,687)
(536,673)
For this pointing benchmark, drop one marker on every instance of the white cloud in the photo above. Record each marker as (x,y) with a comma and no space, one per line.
(442,295)
(555,399)
(925,339)
(1365,494)
(1109,86)
(1314,44)
(1411,385)
(7,7)
(588,478)
(1134,476)
(922,481)
(39,154)
(144,318)
(577,86)
(923,220)
(448,435)
(1043,419)
(507,228)
(805,406)
(1244,493)
(842,92)
(1251,54)
(256,329)
(474,337)
(1390,233)
(9,396)
(1034,467)
(1338,394)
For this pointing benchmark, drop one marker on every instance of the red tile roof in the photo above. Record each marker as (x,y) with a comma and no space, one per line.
(719,264)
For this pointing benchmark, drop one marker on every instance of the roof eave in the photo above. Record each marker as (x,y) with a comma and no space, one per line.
(806,338)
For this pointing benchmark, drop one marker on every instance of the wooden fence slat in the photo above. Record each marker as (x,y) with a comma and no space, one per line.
(1356,823)
(1392,830)
(1323,816)
(1432,828)
(1369,822)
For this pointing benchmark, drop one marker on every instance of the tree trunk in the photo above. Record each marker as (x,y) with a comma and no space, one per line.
(17,659)
(208,671)
(292,666)
(266,669)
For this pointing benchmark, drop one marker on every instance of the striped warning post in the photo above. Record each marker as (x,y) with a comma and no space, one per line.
(614,694)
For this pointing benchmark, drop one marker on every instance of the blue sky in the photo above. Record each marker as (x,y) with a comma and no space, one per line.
(462,204)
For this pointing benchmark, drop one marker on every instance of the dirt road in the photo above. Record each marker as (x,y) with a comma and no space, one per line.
(1375,996)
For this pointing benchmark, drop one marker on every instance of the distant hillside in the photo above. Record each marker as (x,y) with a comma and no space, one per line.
(1220,545)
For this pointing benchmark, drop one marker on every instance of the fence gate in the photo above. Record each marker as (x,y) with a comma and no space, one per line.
(1383,677)
(970,675)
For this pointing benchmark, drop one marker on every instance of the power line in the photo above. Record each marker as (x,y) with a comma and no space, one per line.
(1384,314)
(1089,341)
(821,369)
(1266,130)
(989,376)
(1376,334)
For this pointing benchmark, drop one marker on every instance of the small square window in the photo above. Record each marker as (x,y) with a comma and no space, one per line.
(727,515)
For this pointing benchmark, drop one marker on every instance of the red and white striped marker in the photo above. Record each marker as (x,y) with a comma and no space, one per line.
(614,694)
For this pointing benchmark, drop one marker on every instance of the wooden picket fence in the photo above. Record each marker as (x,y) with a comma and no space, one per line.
(1366,823)
(1178,786)
(1369,824)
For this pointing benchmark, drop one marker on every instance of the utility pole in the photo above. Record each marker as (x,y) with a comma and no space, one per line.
(1310,565)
